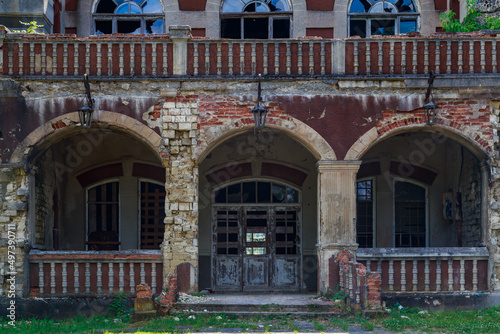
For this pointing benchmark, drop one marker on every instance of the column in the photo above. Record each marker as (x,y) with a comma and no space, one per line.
(179,36)
(336,213)
(180,128)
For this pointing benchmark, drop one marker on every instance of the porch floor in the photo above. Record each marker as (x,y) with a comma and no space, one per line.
(255,299)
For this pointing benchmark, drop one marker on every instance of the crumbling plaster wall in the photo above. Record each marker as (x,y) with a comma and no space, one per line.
(494,199)
(13,217)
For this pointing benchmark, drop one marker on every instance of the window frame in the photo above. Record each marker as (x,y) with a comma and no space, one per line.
(280,15)
(426,203)
(91,186)
(374,208)
(139,213)
(369,17)
(241,181)
(143,18)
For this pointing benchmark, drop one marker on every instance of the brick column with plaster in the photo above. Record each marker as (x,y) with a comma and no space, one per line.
(13,221)
(336,213)
(180,129)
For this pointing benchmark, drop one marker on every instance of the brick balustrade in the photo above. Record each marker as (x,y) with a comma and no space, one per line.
(167,55)
(73,273)
(428,269)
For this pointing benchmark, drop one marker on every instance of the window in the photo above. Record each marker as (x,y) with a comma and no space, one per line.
(409,215)
(152,215)
(256,192)
(364,211)
(256,19)
(128,17)
(103,216)
(382,17)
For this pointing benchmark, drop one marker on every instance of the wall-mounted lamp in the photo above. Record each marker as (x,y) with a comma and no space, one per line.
(85,112)
(259,113)
(430,108)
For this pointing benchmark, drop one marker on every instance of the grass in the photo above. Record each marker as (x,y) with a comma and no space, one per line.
(398,320)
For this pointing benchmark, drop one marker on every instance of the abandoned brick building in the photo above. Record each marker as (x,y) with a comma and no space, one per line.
(173,168)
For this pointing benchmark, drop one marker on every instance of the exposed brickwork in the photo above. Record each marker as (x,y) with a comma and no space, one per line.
(470,118)
(179,132)
(168,297)
(13,217)
(360,284)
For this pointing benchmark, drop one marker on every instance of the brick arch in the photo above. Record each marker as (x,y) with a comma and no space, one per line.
(304,134)
(478,146)
(64,125)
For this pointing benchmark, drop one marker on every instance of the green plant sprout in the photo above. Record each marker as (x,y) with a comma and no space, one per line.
(32,28)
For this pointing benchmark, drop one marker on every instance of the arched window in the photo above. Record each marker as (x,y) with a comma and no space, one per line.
(382,17)
(128,17)
(256,19)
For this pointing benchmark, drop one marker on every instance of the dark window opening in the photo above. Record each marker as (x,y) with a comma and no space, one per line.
(410,215)
(256,28)
(281,28)
(364,213)
(231,28)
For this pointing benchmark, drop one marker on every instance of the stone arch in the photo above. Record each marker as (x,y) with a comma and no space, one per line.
(296,129)
(371,138)
(429,18)
(61,126)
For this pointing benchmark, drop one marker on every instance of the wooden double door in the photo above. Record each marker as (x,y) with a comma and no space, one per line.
(256,249)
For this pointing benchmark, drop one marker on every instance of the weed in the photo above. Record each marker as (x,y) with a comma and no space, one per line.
(118,306)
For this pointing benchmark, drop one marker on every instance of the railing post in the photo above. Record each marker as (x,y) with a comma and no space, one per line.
(338,57)
(179,36)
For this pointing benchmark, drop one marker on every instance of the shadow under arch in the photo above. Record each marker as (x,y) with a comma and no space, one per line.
(297,130)
(371,138)
(65,125)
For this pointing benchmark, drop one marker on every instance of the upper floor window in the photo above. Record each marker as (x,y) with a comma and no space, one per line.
(256,19)
(382,17)
(128,17)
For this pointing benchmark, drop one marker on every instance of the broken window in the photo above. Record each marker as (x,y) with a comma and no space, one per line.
(382,17)
(256,19)
(409,214)
(128,17)
(152,214)
(103,216)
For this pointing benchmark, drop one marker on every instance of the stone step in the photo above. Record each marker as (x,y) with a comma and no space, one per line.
(254,310)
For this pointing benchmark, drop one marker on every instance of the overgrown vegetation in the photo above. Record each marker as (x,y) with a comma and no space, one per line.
(118,306)
(398,319)
(32,28)
(473,21)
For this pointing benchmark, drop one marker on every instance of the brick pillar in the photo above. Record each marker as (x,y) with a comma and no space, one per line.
(337,213)
(14,278)
(180,124)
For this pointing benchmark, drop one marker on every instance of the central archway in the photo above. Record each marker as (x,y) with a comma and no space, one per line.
(257,214)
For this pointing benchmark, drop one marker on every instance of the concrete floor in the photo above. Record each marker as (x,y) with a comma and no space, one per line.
(255,299)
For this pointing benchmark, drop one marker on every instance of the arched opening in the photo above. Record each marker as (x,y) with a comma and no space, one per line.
(420,219)
(257,215)
(97,190)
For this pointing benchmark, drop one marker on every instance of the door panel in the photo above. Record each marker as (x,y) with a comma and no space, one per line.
(227,250)
(228,276)
(286,273)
